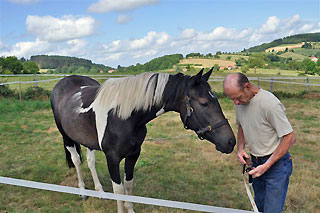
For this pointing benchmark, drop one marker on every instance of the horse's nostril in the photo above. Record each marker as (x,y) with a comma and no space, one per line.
(231,142)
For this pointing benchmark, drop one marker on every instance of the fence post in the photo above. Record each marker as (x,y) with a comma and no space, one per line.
(20,96)
(35,79)
(271,85)
(308,86)
(258,82)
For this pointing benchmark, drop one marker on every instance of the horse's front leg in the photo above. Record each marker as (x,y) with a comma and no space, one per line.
(128,180)
(113,162)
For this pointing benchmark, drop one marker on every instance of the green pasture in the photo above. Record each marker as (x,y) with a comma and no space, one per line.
(293,55)
(306,52)
(234,57)
(174,163)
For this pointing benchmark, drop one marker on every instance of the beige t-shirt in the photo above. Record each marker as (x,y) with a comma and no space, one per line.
(264,123)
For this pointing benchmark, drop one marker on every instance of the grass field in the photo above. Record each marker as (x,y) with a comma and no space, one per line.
(206,63)
(174,163)
(293,55)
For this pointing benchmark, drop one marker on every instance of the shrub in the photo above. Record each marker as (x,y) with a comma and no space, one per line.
(36,93)
(5,92)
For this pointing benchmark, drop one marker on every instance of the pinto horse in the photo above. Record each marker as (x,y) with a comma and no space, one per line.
(112,118)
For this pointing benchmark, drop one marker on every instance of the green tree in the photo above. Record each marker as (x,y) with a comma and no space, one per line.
(12,64)
(307,45)
(216,67)
(29,67)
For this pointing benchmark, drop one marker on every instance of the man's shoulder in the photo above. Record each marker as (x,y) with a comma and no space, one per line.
(267,98)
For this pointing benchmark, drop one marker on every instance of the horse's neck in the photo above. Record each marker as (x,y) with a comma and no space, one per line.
(174,92)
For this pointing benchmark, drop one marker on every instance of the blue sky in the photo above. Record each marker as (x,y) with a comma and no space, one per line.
(127,32)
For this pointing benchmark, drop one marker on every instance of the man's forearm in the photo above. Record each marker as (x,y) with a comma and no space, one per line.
(240,139)
(283,148)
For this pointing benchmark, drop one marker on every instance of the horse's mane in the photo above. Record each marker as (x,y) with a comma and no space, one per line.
(131,93)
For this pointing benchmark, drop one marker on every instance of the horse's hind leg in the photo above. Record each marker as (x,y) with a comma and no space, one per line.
(77,161)
(91,164)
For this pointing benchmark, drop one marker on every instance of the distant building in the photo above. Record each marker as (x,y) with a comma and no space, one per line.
(314,59)
(111,71)
(228,67)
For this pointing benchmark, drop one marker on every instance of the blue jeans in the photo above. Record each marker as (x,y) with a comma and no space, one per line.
(270,189)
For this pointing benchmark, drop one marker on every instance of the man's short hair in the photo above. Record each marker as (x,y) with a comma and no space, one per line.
(242,79)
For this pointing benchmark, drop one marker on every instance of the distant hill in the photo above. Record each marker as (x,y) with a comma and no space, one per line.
(55,62)
(294,39)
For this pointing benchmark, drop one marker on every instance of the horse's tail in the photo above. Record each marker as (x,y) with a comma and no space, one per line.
(69,142)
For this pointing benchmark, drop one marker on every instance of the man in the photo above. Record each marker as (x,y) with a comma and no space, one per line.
(265,129)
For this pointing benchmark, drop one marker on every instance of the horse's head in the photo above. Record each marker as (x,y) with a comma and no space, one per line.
(201,112)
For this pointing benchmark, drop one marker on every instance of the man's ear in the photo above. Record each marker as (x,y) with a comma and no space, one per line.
(247,85)
(207,75)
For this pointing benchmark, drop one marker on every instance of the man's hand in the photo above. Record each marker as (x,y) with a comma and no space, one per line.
(258,171)
(242,155)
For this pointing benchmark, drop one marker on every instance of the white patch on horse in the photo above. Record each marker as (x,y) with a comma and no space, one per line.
(126,95)
(213,96)
(76,98)
(128,185)
(75,157)
(160,112)
(118,189)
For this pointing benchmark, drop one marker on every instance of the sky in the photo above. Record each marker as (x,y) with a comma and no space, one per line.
(127,32)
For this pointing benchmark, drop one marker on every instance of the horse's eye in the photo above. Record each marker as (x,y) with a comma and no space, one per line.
(204,104)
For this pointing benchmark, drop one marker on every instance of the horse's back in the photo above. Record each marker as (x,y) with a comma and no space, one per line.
(70,84)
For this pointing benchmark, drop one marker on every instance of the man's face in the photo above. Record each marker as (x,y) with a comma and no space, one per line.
(239,96)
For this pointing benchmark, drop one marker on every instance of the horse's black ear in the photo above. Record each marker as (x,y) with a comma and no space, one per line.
(207,75)
(198,76)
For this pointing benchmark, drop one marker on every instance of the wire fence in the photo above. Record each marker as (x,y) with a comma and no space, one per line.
(48,81)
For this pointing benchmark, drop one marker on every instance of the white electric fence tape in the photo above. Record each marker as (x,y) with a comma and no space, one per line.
(112,196)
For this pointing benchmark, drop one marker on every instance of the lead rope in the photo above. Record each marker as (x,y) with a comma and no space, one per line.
(253,204)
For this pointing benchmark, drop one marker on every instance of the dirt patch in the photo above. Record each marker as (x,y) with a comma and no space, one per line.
(51,130)
(206,63)
(312,95)
(283,48)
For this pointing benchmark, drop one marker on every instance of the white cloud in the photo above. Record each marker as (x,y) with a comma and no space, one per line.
(270,26)
(27,49)
(105,6)
(48,28)
(188,34)
(24,1)
(61,36)
(124,19)
(75,47)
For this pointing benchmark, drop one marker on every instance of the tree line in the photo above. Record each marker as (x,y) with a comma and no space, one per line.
(160,63)
(307,37)
(66,64)
(273,61)
(12,65)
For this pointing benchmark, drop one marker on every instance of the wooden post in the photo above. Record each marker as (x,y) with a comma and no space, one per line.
(20,96)
(35,79)
(271,85)
(258,82)
(308,86)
